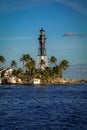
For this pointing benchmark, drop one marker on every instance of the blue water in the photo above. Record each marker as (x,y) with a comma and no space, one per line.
(52,107)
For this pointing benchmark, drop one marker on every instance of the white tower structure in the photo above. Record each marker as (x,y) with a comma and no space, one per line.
(42,61)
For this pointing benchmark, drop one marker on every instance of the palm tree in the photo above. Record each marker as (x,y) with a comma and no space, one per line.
(53,60)
(30,65)
(47,75)
(25,58)
(64,64)
(13,64)
(2,59)
(19,73)
(36,73)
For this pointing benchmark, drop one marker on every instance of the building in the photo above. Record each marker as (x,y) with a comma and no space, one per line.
(42,61)
(1,71)
(6,76)
(36,81)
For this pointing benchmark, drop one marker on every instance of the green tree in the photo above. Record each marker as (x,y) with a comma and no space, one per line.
(25,58)
(2,59)
(30,68)
(13,64)
(64,64)
(30,65)
(53,60)
(19,73)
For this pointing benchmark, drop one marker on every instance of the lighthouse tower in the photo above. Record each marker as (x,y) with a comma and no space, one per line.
(42,61)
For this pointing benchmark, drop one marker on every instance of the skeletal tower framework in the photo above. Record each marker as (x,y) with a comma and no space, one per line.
(42,61)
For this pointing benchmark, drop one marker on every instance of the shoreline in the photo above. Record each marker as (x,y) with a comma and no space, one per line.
(51,82)
(66,81)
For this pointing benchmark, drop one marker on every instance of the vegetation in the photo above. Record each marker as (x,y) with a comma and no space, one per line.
(13,64)
(28,72)
(53,60)
(2,59)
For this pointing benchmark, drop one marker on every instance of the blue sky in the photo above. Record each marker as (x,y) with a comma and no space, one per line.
(64,22)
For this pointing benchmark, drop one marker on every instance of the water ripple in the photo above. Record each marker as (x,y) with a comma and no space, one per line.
(55,107)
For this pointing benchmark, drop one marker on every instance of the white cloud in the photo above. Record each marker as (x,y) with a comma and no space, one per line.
(16,38)
(70,34)
(11,5)
(80,6)
(6,49)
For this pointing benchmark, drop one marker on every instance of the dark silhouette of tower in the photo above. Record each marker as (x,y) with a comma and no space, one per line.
(42,57)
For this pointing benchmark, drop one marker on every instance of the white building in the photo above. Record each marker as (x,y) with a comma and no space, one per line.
(36,81)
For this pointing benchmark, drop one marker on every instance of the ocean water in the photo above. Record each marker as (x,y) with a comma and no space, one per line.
(52,107)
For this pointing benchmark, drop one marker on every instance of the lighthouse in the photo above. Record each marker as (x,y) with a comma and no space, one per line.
(42,61)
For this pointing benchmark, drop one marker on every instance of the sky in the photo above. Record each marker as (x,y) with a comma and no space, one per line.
(64,22)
